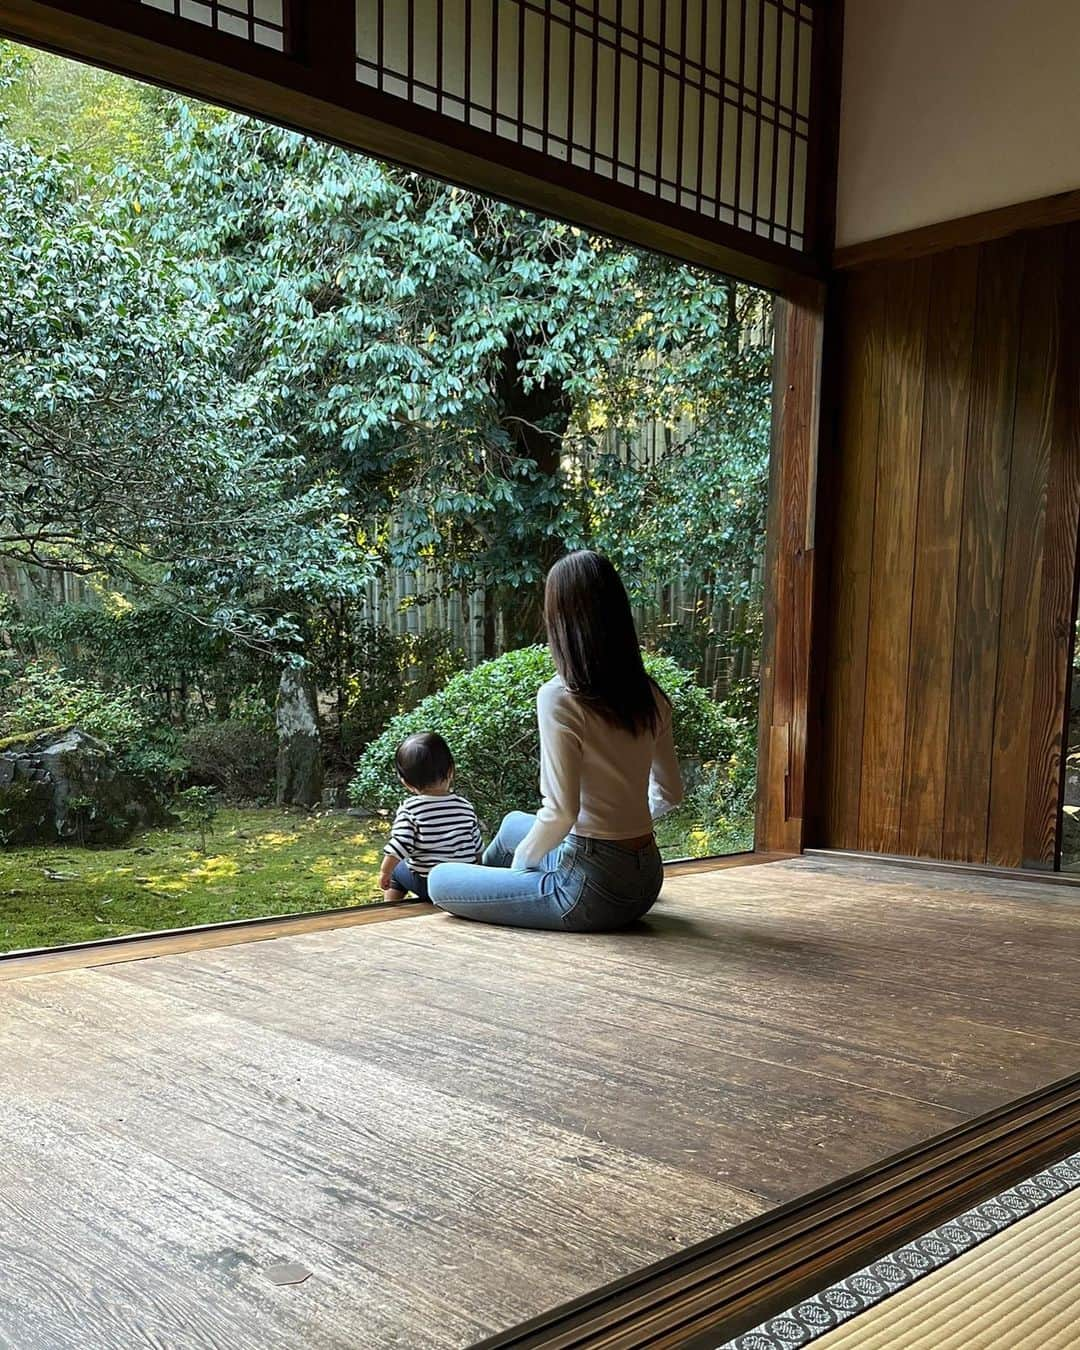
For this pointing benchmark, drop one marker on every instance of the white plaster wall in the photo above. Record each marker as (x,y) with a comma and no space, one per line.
(955,106)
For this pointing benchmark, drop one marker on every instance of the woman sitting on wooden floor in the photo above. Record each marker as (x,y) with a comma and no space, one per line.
(587,860)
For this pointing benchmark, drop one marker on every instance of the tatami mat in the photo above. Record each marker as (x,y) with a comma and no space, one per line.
(1001,1274)
(1019,1290)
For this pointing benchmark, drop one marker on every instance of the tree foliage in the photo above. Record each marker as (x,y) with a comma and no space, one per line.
(471,369)
(90,117)
(246,369)
(129,448)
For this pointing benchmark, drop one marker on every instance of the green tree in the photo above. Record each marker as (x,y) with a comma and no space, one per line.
(468,368)
(94,119)
(129,450)
(248,367)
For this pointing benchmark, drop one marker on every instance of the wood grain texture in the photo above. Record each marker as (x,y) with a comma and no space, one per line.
(785,665)
(1021,598)
(848,616)
(1058,598)
(694,866)
(903,373)
(455,1126)
(1059,209)
(977,635)
(79,956)
(946,399)
(945,696)
(14,966)
(772,764)
(741,1280)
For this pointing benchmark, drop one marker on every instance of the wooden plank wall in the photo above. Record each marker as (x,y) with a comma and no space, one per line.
(953,552)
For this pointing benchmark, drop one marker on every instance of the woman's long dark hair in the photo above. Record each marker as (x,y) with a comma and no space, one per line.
(594,642)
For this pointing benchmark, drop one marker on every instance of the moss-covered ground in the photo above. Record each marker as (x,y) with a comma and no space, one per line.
(258,861)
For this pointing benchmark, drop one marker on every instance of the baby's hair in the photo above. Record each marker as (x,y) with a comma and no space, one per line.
(423,760)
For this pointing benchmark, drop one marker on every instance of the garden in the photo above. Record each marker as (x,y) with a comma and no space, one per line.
(289,439)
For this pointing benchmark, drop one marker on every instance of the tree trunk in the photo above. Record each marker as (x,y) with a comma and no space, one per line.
(222,701)
(490,616)
(340,618)
(466,620)
(299,757)
(536,420)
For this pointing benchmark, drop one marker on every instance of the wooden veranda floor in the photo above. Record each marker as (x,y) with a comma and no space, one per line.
(456,1127)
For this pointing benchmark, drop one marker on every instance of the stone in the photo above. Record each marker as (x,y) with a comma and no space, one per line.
(1072,777)
(62,785)
(299,757)
(287,1272)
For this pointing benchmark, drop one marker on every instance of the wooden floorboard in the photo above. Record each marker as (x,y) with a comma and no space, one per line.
(19,965)
(456,1127)
(144,946)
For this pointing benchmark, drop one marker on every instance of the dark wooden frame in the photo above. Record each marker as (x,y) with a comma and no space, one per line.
(318,94)
(791,666)
(1061,208)
(313,89)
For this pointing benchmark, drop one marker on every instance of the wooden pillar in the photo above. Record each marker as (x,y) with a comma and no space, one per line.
(789,581)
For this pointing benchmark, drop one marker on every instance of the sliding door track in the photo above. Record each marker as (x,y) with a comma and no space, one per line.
(729,1284)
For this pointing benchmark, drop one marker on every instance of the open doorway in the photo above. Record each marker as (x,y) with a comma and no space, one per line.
(293,436)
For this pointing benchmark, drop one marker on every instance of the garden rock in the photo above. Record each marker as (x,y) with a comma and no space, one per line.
(63,785)
(299,757)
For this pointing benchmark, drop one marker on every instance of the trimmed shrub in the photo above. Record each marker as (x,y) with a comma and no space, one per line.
(237,758)
(488,716)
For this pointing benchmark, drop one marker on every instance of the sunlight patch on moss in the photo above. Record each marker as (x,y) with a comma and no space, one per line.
(358,881)
(214,869)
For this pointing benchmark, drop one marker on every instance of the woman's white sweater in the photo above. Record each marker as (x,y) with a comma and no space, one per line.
(595,779)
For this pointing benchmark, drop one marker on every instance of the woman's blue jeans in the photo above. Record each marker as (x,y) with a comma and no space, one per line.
(583,886)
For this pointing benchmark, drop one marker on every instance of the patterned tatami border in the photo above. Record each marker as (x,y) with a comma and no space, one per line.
(813,1317)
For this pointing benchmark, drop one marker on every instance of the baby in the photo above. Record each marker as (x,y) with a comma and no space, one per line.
(434,825)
